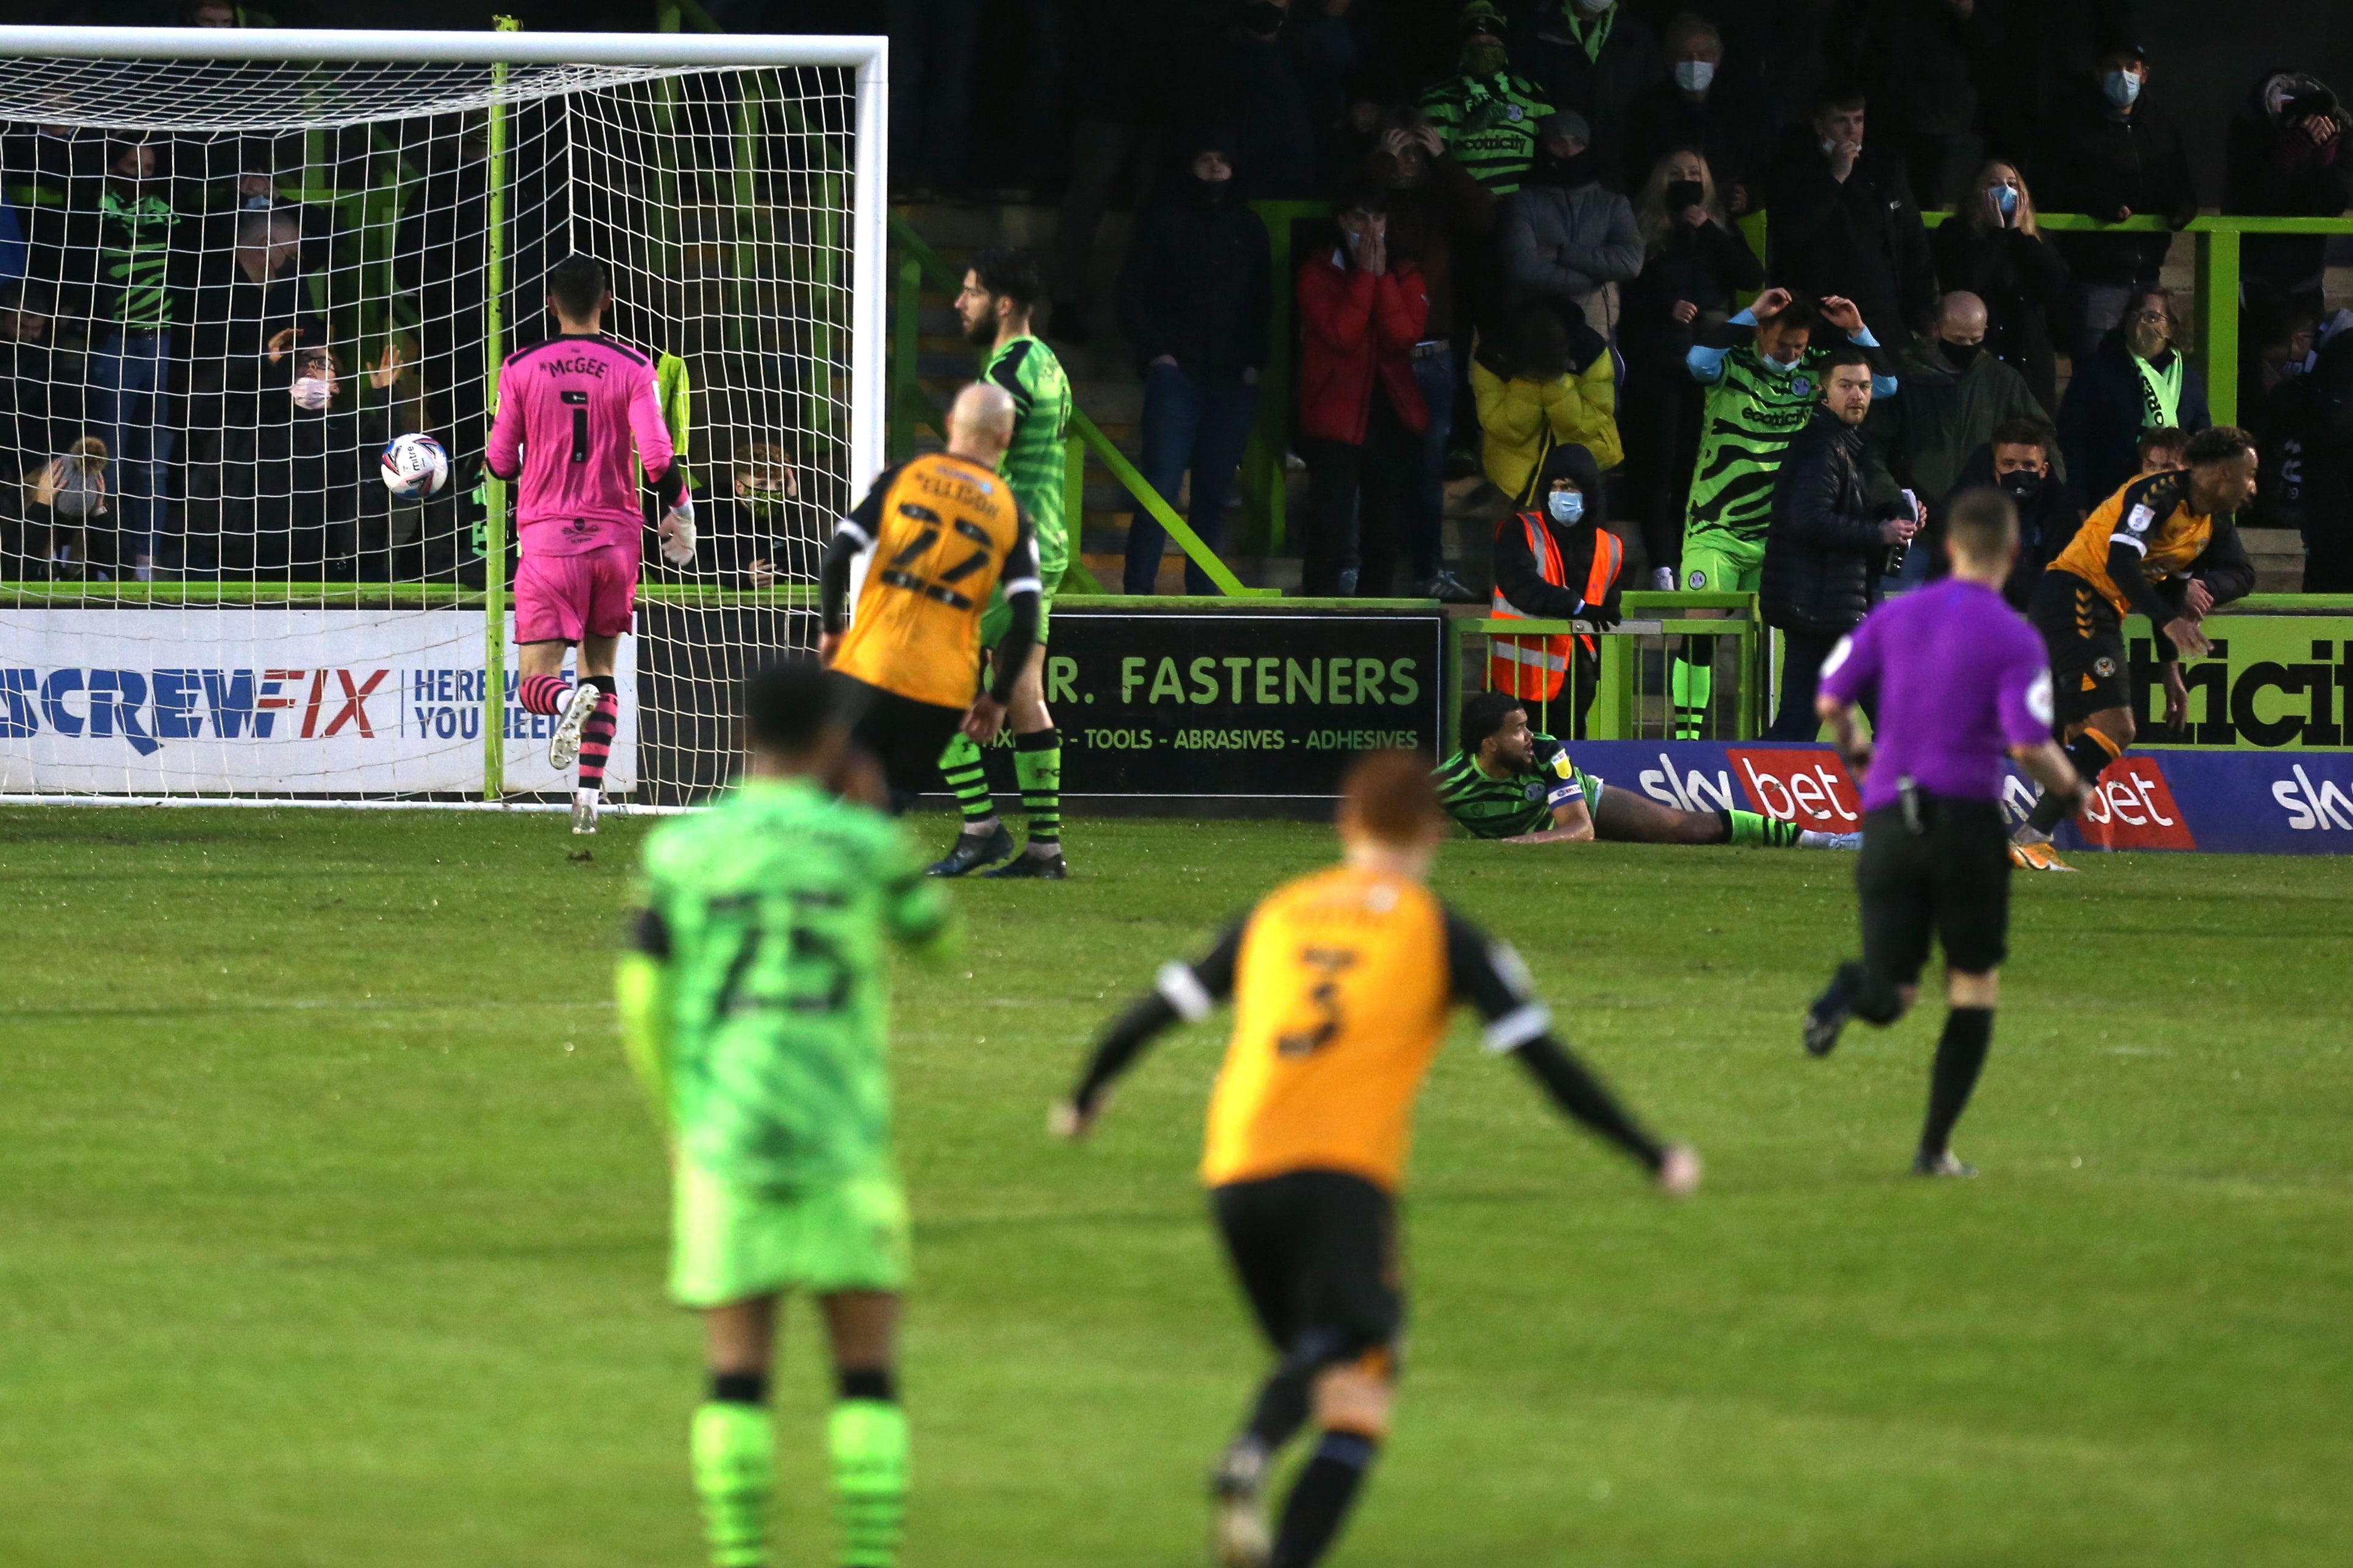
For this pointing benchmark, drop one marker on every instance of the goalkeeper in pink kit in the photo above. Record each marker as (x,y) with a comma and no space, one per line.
(570,411)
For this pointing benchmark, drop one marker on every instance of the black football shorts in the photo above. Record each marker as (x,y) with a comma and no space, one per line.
(2086,642)
(1951,882)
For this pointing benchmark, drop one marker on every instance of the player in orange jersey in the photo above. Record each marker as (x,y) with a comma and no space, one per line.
(1344,983)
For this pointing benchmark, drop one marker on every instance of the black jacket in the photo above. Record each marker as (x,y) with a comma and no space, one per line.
(1727,127)
(1195,285)
(2104,163)
(1823,553)
(1711,266)
(1516,573)
(2275,171)
(2101,421)
(1860,238)
(2047,519)
(2021,276)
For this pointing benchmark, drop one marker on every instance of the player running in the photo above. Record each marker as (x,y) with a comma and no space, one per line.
(1510,782)
(1344,982)
(1762,372)
(947,537)
(755,1013)
(1001,291)
(1961,681)
(2164,547)
(568,411)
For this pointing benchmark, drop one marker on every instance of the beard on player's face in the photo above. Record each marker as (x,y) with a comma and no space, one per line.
(980,329)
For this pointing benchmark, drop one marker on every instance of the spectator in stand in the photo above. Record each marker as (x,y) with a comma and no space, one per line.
(1122,89)
(1696,266)
(1487,115)
(1992,247)
(755,534)
(1827,540)
(932,59)
(28,380)
(2121,158)
(1955,394)
(2161,449)
(2287,159)
(1699,106)
(1436,212)
(2324,418)
(1921,61)
(1561,237)
(1255,87)
(1328,40)
(2139,379)
(1194,304)
(1593,57)
(1842,222)
(1554,561)
(1360,413)
(1545,384)
(2016,460)
(251,306)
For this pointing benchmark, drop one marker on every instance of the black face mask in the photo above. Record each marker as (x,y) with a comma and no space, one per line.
(1264,18)
(1682,194)
(1581,170)
(2021,485)
(1209,195)
(1961,355)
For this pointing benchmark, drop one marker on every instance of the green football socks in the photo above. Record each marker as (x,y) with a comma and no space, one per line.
(1037,763)
(960,764)
(1751,831)
(867,1439)
(1691,687)
(733,1451)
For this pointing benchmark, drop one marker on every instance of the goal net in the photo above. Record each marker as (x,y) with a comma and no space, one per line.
(229,283)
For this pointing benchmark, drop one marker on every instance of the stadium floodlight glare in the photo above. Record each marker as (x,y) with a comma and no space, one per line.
(256,257)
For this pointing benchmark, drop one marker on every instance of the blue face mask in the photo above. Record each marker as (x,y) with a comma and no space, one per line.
(1566,506)
(2005,200)
(2122,88)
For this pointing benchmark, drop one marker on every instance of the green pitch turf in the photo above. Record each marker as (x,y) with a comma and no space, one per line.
(332,1227)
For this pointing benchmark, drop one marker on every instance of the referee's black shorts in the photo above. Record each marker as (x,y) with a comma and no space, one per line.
(1316,1254)
(1951,880)
(906,737)
(2086,642)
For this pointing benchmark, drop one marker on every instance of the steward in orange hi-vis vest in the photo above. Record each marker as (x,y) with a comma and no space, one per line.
(1554,562)
(1344,983)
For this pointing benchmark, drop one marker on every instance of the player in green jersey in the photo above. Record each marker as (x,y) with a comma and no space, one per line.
(1510,782)
(753,1010)
(1761,372)
(1000,290)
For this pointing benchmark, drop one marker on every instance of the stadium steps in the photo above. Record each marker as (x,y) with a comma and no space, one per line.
(2278,557)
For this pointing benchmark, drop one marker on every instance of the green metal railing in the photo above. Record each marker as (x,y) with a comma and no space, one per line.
(911,407)
(1650,621)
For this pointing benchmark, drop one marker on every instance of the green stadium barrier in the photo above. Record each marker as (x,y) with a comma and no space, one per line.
(1631,700)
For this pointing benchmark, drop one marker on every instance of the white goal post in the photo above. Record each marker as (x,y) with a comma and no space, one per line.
(236,262)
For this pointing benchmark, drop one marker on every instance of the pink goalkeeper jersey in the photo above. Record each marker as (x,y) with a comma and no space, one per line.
(570,407)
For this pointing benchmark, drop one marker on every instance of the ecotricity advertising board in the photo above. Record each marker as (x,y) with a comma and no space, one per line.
(269,701)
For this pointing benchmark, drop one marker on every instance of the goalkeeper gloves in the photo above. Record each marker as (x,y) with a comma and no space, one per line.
(678,534)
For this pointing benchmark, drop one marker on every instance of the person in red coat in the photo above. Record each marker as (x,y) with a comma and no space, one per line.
(1362,308)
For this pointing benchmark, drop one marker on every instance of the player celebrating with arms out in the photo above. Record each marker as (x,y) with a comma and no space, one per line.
(1961,681)
(2165,546)
(1509,782)
(1001,291)
(947,536)
(755,1013)
(568,409)
(1344,983)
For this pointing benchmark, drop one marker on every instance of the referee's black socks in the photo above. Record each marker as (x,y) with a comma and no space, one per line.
(1960,1056)
(2091,752)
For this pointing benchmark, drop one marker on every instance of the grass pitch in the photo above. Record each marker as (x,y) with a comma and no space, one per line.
(333,1227)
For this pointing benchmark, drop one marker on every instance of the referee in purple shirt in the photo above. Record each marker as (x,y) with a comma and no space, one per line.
(1961,679)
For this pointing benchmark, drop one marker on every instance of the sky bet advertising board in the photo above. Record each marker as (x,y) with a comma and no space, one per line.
(183,701)
(2233,802)
(1236,705)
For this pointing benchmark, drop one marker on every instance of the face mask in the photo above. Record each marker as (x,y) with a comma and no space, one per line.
(1693,76)
(1579,169)
(1566,506)
(1263,18)
(2122,88)
(2005,200)
(311,392)
(1961,355)
(1484,59)
(1682,194)
(1210,192)
(2019,485)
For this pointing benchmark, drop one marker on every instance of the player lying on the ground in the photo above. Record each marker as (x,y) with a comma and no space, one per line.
(752,1008)
(1510,783)
(1961,682)
(1343,983)
(2164,546)
(568,410)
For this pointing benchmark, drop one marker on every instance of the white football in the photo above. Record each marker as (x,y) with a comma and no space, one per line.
(414,467)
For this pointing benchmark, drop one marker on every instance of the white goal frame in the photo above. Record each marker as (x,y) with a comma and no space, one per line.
(868,56)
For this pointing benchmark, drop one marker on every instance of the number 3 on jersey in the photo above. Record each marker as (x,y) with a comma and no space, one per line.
(901,574)
(1327,963)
